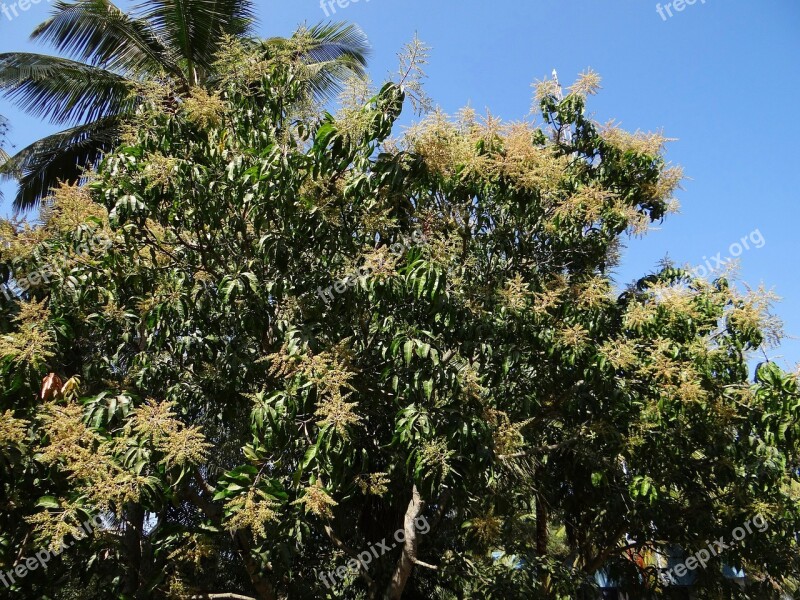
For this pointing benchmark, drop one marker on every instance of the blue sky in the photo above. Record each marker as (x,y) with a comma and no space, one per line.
(722,76)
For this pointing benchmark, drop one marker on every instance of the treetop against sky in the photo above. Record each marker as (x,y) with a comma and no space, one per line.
(697,75)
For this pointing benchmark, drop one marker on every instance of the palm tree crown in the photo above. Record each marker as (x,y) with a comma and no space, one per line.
(107,51)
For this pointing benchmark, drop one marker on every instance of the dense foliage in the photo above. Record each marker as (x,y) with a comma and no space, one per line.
(272,337)
(107,55)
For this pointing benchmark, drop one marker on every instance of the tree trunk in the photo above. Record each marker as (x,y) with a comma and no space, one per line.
(542,536)
(409,556)
(263,588)
(132,540)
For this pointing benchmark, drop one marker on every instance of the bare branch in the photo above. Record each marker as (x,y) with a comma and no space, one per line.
(419,563)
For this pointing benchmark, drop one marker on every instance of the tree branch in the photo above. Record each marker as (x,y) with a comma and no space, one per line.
(254,569)
(350,552)
(594,564)
(220,597)
(419,563)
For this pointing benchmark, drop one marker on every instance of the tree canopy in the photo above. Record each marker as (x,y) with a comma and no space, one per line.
(272,338)
(109,54)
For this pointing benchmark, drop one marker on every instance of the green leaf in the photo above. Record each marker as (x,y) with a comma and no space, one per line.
(408,351)
(48,502)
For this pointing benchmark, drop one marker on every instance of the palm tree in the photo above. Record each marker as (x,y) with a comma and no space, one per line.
(108,50)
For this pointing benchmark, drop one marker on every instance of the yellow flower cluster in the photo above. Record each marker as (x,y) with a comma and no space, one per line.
(486,528)
(446,149)
(587,84)
(331,375)
(56,525)
(551,296)
(679,303)
(254,511)
(32,343)
(515,294)
(649,143)
(574,337)
(338,414)
(19,239)
(204,109)
(586,205)
(381,263)
(469,381)
(753,311)
(70,207)
(180,445)
(435,454)
(620,353)
(352,119)
(530,167)
(317,501)
(88,458)
(593,293)
(159,170)
(373,484)
(507,436)
(12,430)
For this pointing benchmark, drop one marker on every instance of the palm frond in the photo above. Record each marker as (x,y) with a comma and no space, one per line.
(99,33)
(326,78)
(337,42)
(59,157)
(62,90)
(195,29)
(111,51)
(334,52)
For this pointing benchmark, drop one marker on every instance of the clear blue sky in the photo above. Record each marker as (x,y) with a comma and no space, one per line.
(722,76)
